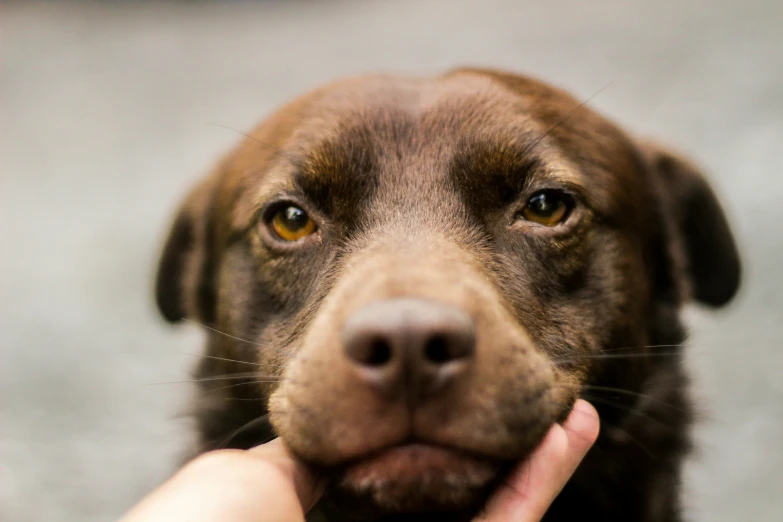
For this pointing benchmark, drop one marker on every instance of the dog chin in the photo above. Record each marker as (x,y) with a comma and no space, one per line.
(417,478)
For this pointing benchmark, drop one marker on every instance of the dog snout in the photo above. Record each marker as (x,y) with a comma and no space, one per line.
(409,346)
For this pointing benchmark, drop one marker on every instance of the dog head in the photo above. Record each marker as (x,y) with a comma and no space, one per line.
(414,278)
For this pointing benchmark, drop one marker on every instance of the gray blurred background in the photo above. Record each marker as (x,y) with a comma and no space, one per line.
(111,110)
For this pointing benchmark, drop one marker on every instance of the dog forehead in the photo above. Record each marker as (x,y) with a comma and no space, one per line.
(448,103)
(398,125)
(347,129)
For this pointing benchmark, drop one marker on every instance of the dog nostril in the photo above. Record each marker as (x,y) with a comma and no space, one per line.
(387,340)
(443,348)
(379,353)
(436,350)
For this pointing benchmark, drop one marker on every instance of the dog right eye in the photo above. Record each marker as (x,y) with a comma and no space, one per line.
(548,207)
(291,223)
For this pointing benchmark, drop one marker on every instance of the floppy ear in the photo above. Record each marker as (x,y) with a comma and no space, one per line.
(185,286)
(711,259)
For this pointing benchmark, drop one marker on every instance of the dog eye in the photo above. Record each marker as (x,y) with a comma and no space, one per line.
(548,207)
(291,223)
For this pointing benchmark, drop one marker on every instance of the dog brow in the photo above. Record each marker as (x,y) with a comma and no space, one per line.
(339,173)
(501,166)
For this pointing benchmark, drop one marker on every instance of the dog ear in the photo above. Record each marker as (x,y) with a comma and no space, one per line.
(711,260)
(185,286)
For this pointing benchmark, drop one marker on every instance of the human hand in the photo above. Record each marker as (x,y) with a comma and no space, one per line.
(258,485)
(267,484)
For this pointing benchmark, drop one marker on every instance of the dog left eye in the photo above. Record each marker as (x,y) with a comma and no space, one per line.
(548,207)
(291,223)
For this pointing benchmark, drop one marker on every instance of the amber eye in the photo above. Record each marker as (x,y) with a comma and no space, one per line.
(291,223)
(548,207)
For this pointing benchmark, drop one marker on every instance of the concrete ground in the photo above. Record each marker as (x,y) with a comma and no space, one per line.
(111,110)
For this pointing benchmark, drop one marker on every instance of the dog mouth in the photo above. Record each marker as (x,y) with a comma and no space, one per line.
(418,476)
(414,461)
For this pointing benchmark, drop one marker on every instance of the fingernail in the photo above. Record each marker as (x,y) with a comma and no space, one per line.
(584,408)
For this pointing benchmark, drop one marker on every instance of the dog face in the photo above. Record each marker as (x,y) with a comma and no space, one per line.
(425,274)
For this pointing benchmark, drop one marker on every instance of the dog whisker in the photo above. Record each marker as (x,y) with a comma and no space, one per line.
(214,357)
(633,394)
(567,117)
(620,348)
(630,410)
(621,391)
(631,438)
(222,333)
(611,353)
(262,381)
(614,426)
(230,376)
(254,343)
(632,355)
(250,424)
(276,152)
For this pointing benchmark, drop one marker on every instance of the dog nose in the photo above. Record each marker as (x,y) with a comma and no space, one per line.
(409,345)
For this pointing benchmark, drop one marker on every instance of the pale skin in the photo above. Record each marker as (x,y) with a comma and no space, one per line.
(267,484)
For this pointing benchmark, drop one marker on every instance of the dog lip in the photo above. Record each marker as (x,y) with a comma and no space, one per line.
(415,446)
(424,474)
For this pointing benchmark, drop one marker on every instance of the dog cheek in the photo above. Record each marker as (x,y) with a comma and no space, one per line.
(513,396)
(295,416)
(320,413)
(280,418)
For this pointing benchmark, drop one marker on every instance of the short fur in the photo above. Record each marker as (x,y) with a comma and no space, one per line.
(417,185)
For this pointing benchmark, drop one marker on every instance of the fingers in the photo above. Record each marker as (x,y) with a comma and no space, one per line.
(309,487)
(264,483)
(535,483)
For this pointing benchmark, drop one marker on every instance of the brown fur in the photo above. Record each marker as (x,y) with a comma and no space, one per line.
(417,185)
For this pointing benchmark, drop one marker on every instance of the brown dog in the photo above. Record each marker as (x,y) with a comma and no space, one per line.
(410,280)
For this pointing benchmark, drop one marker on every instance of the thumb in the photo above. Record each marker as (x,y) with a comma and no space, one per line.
(532,487)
